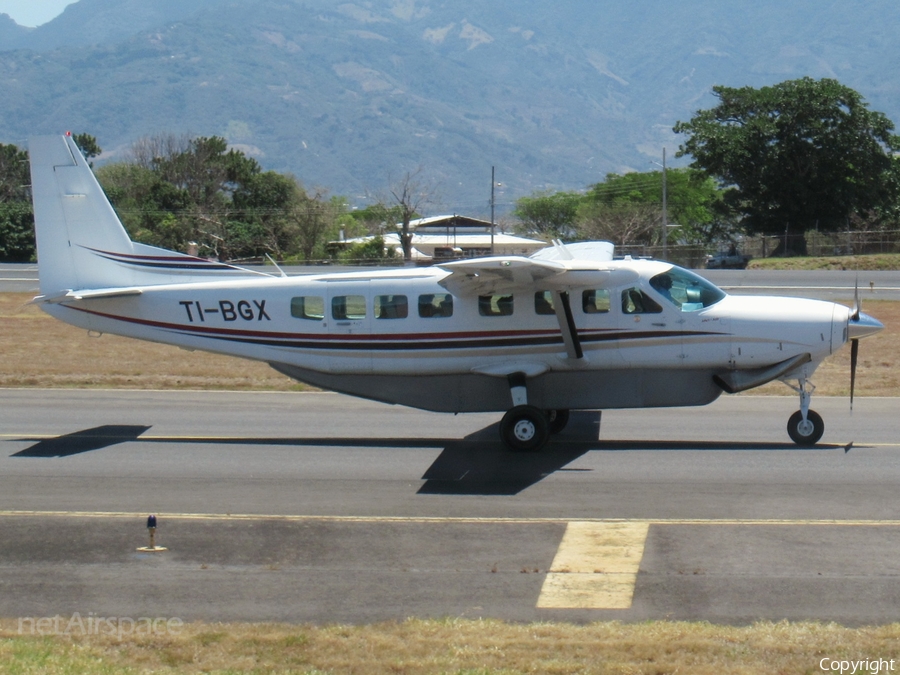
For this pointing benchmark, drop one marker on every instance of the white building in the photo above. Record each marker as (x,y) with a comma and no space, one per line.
(449,237)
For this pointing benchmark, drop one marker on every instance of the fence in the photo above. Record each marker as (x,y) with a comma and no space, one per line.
(853,242)
(818,244)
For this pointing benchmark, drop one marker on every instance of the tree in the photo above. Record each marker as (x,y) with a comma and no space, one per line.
(795,156)
(88,146)
(16,232)
(370,249)
(14,178)
(312,217)
(16,214)
(409,194)
(178,192)
(550,215)
(693,202)
(621,223)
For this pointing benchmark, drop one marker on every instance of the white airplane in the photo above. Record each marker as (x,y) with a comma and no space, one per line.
(567,329)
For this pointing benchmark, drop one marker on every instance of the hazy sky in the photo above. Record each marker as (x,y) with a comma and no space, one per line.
(33,12)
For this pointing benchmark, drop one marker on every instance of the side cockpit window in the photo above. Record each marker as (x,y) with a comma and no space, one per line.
(686,290)
(595,301)
(635,301)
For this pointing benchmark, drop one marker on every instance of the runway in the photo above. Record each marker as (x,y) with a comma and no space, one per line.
(833,285)
(319,507)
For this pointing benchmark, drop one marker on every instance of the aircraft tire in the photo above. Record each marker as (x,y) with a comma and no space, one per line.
(524,429)
(558,420)
(808,434)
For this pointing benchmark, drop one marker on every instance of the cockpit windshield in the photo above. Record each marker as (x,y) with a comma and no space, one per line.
(686,290)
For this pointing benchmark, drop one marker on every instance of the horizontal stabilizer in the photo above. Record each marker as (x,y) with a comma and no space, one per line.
(70,296)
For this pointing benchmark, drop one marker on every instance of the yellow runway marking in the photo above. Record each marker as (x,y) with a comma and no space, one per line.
(595,566)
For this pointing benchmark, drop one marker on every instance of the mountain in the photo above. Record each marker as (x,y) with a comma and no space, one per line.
(11,33)
(348,96)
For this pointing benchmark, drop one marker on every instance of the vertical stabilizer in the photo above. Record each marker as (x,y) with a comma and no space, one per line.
(81,243)
(73,220)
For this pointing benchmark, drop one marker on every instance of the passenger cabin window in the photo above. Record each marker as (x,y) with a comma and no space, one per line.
(310,307)
(348,307)
(635,301)
(595,301)
(686,290)
(495,305)
(543,303)
(391,307)
(435,305)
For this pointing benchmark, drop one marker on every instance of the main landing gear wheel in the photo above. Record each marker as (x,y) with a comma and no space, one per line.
(524,429)
(806,433)
(558,420)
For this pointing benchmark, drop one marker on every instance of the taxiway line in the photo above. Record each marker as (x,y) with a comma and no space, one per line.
(426,442)
(452,519)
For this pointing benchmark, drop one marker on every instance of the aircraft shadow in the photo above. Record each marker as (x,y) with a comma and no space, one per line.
(481,465)
(87,440)
(477,465)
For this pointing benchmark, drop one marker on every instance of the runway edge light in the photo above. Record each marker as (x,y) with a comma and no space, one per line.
(151,528)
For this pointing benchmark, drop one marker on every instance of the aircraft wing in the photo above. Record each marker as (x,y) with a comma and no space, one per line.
(506,274)
(485,276)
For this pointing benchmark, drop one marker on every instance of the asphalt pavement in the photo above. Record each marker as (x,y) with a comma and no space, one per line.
(318,507)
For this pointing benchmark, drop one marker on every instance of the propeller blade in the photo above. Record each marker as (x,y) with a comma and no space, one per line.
(854,315)
(854,355)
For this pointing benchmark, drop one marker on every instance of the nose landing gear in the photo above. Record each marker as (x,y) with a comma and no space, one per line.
(806,432)
(805,427)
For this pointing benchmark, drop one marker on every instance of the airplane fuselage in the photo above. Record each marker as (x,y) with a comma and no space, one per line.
(400,336)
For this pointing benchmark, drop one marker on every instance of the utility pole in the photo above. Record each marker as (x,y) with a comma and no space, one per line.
(665,216)
(492,210)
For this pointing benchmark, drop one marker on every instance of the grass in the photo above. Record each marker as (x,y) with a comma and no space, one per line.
(39,351)
(876,261)
(456,646)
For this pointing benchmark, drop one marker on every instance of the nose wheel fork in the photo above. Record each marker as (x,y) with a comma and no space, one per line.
(805,427)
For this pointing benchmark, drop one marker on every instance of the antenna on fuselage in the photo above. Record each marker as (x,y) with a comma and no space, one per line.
(272,260)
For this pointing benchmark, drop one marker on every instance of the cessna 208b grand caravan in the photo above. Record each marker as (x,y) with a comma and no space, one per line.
(567,329)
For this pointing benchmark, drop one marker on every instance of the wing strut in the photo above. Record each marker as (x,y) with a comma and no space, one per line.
(567,324)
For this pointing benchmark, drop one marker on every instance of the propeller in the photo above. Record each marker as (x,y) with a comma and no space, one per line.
(854,355)
(859,325)
(854,343)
